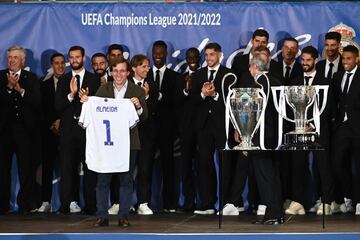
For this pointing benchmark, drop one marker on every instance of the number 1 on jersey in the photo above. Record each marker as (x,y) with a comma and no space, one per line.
(108,141)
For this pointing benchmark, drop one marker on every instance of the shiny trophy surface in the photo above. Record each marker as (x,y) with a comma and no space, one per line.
(246,106)
(300,99)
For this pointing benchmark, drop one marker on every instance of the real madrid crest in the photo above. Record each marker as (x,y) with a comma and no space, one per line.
(347,35)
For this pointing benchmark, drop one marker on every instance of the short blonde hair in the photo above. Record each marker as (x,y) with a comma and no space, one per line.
(17,48)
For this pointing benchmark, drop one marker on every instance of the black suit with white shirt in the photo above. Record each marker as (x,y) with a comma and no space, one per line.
(72,144)
(210,124)
(346,139)
(19,134)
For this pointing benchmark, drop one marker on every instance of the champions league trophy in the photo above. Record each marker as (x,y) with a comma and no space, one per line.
(300,99)
(245,108)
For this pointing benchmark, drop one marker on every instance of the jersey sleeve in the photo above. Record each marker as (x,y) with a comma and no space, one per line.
(132,114)
(84,118)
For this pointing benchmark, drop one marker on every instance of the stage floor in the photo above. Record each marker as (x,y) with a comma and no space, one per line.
(167,223)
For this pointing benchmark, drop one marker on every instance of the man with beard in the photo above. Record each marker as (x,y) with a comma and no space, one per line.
(72,136)
(208,100)
(50,129)
(163,81)
(99,64)
(185,115)
(299,163)
(332,64)
(240,65)
(20,103)
(346,138)
(114,53)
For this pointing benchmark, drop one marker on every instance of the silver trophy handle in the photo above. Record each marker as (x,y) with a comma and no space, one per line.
(227,106)
(223,83)
(265,97)
(281,89)
(325,88)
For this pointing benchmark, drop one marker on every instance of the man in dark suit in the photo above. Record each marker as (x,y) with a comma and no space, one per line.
(114,53)
(163,79)
(186,115)
(332,64)
(20,103)
(289,67)
(346,138)
(287,70)
(120,88)
(240,65)
(264,165)
(50,129)
(299,162)
(148,133)
(72,136)
(207,97)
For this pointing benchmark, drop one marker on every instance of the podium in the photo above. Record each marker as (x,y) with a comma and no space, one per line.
(224,153)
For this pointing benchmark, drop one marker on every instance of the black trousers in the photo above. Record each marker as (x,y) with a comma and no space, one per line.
(15,138)
(235,169)
(346,153)
(148,134)
(72,153)
(50,150)
(189,154)
(166,147)
(268,182)
(209,140)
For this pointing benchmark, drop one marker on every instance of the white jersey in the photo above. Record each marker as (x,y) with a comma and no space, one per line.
(108,122)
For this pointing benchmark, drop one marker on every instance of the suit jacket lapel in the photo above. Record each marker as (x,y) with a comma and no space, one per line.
(129,90)
(354,82)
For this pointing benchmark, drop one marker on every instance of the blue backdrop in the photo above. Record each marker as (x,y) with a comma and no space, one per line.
(48,27)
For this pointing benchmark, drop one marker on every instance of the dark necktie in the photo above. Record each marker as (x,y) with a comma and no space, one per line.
(157,79)
(139,84)
(307,80)
(211,75)
(287,73)
(77,76)
(345,90)
(329,74)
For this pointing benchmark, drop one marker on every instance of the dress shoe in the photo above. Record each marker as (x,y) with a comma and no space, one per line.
(205,212)
(271,221)
(101,222)
(124,222)
(295,208)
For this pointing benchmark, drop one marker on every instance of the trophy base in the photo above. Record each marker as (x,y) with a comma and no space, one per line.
(301,141)
(245,147)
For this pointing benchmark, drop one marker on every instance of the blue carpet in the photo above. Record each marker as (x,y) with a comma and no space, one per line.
(250,236)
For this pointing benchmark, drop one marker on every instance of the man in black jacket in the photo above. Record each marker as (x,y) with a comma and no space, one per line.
(50,129)
(20,103)
(332,64)
(346,138)
(72,136)
(186,115)
(206,95)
